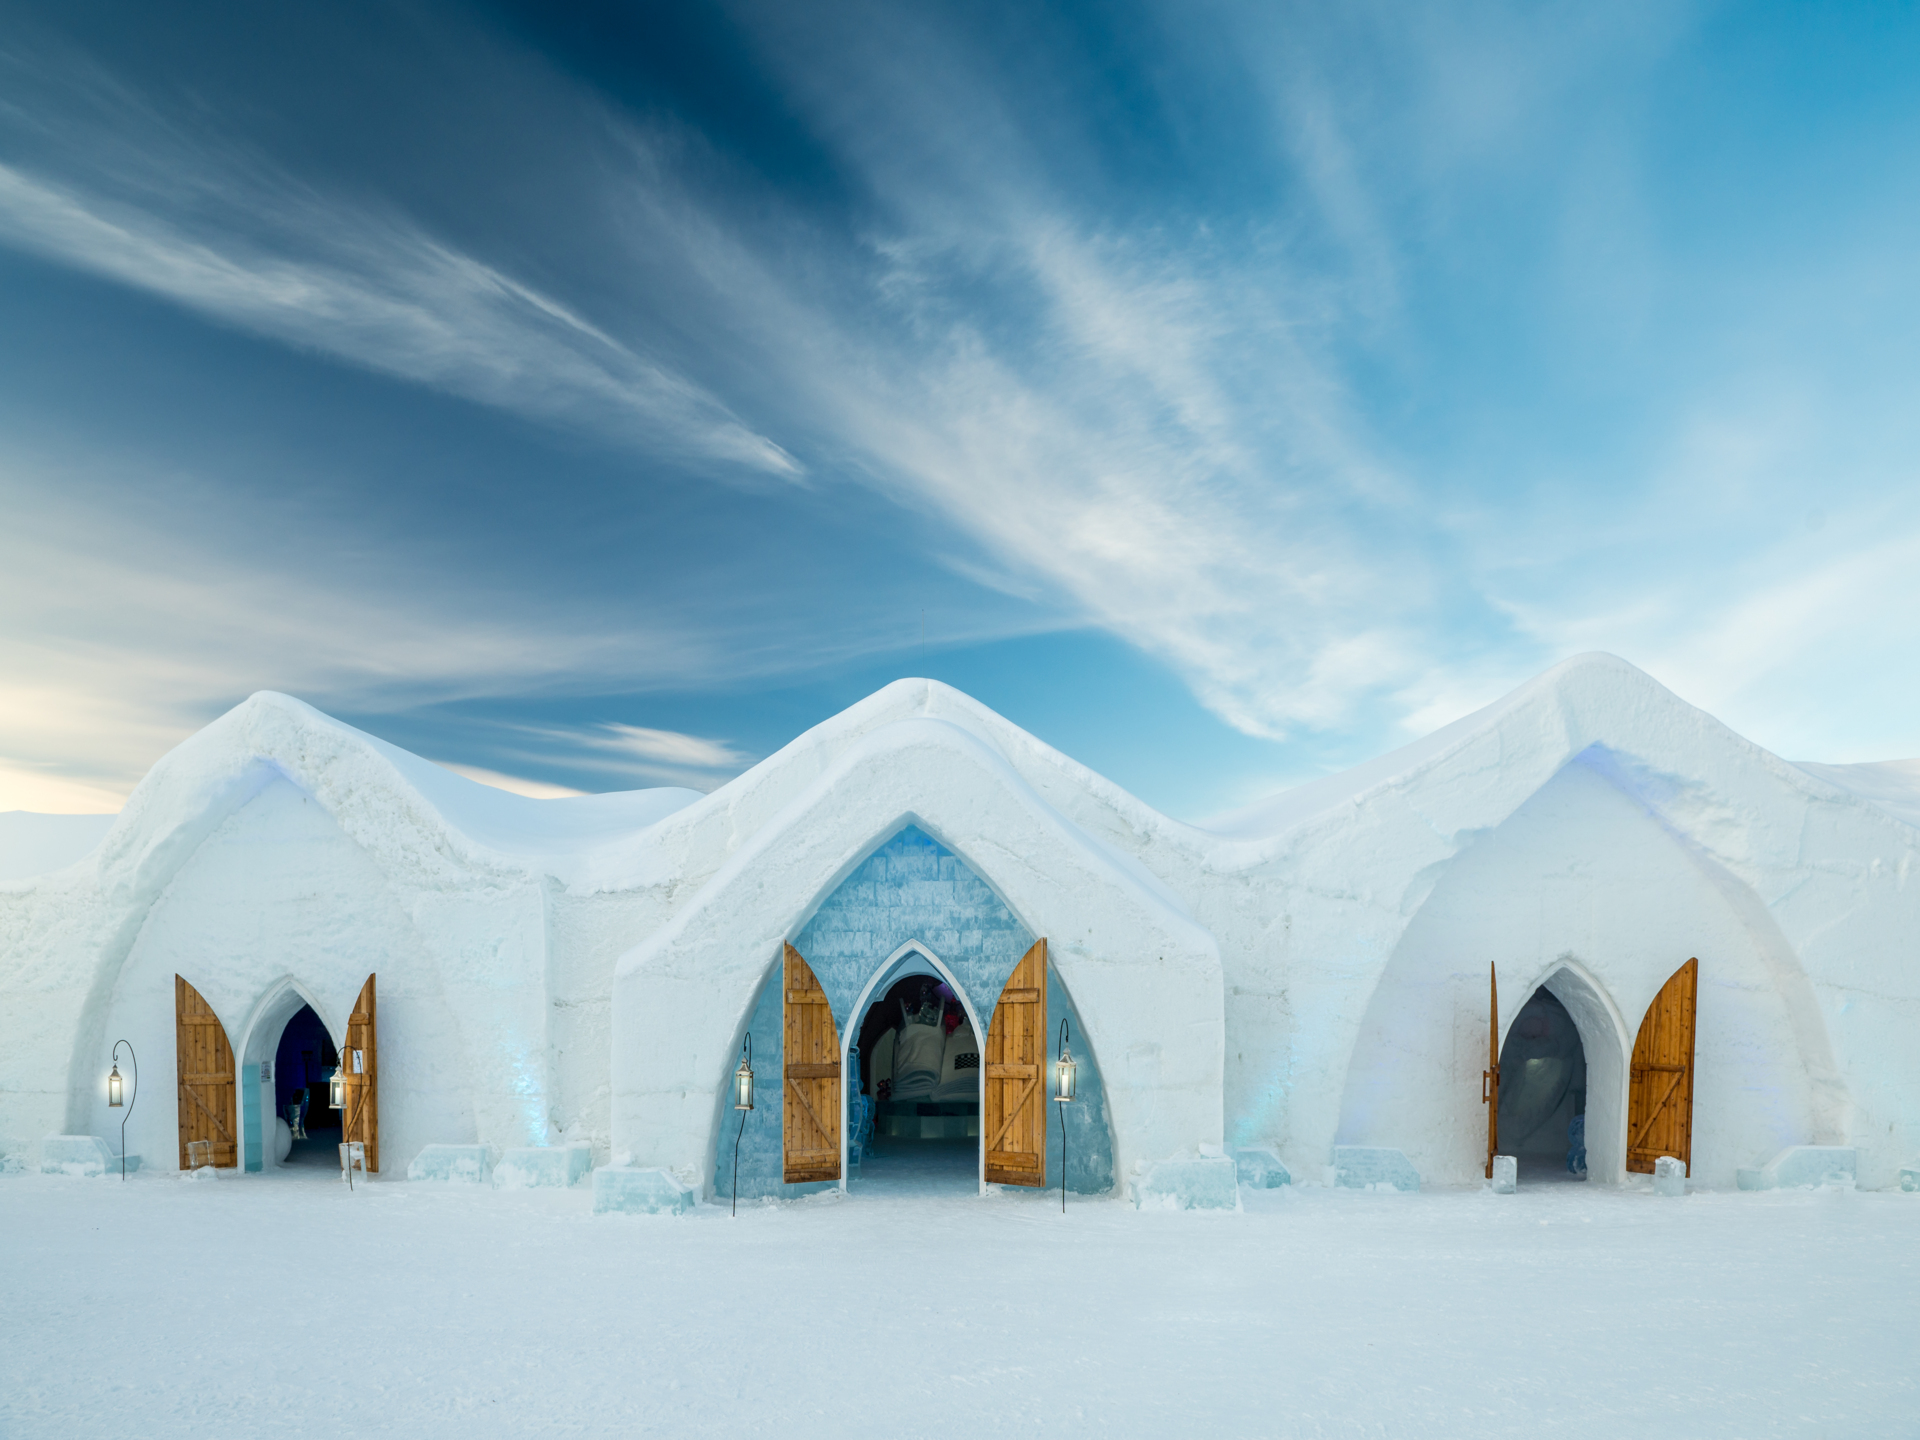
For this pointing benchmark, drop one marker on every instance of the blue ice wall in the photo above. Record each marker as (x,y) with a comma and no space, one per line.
(1089,1139)
(912,888)
(760,1168)
(252,1149)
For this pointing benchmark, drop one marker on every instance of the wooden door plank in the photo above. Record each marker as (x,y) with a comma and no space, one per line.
(1490,1080)
(1013,1122)
(810,1123)
(360,1116)
(204,1077)
(1660,1085)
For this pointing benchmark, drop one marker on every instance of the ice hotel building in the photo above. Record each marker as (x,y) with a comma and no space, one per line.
(1700,950)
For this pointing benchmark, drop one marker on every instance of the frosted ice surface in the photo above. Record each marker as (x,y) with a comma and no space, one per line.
(1374,1167)
(1506,1175)
(1210,1182)
(1261,1169)
(1800,1166)
(76,1155)
(466,1164)
(543,1167)
(1669,1176)
(624,1190)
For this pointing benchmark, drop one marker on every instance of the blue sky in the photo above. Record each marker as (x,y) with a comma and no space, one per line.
(599,395)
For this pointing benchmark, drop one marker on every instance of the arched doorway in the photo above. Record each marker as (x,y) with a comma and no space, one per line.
(288,1060)
(913,1072)
(1543,1092)
(303,1066)
(912,908)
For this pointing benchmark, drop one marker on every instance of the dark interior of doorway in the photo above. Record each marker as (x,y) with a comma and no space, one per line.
(1543,1092)
(919,1074)
(303,1066)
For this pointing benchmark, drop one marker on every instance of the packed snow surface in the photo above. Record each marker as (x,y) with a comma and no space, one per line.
(163,1307)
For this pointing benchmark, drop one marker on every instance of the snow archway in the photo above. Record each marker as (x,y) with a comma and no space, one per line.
(258,1040)
(911,958)
(910,904)
(1143,976)
(1607,1043)
(1582,890)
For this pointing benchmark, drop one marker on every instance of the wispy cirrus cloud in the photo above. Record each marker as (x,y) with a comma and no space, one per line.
(206,223)
(1329,356)
(629,752)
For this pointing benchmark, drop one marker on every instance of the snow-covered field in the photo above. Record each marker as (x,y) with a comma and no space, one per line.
(283,1304)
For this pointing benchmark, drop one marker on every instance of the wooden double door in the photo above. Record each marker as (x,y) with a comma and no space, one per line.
(1660,1076)
(1013,1116)
(208,1087)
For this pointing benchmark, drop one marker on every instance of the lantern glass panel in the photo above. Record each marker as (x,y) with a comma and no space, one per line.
(113,1088)
(743,1088)
(338,1091)
(1064,1081)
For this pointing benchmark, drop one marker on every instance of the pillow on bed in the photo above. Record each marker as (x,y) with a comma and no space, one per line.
(960,1066)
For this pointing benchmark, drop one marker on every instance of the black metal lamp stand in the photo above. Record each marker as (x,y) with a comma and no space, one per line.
(1064,1087)
(113,1096)
(743,1102)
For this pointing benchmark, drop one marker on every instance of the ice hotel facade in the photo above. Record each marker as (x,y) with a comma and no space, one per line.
(1700,950)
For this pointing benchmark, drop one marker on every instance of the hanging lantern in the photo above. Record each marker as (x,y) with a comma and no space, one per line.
(1063,1070)
(743,1078)
(338,1090)
(114,1096)
(743,1102)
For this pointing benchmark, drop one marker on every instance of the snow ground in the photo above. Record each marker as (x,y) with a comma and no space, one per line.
(281,1302)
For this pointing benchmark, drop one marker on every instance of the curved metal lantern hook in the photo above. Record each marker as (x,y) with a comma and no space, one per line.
(113,1095)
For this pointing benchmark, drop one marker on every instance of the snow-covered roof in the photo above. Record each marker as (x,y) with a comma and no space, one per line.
(616,840)
(1889,785)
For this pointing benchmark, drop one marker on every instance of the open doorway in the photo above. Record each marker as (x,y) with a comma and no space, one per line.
(303,1067)
(913,1080)
(1543,1092)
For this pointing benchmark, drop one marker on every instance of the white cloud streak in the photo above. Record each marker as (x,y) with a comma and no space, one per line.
(227,234)
(1149,425)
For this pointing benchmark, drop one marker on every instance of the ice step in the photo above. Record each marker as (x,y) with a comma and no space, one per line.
(1374,1167)
(1800,1167)
(460,1164)
(539,1167)
(627,1190)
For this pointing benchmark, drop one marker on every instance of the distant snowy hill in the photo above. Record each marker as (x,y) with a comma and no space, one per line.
(32,844)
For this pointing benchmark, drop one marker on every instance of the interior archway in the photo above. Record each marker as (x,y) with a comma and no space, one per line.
(1543,1092)
(912,1080)
(303,1066)
(1604,1047)
(287,1060)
